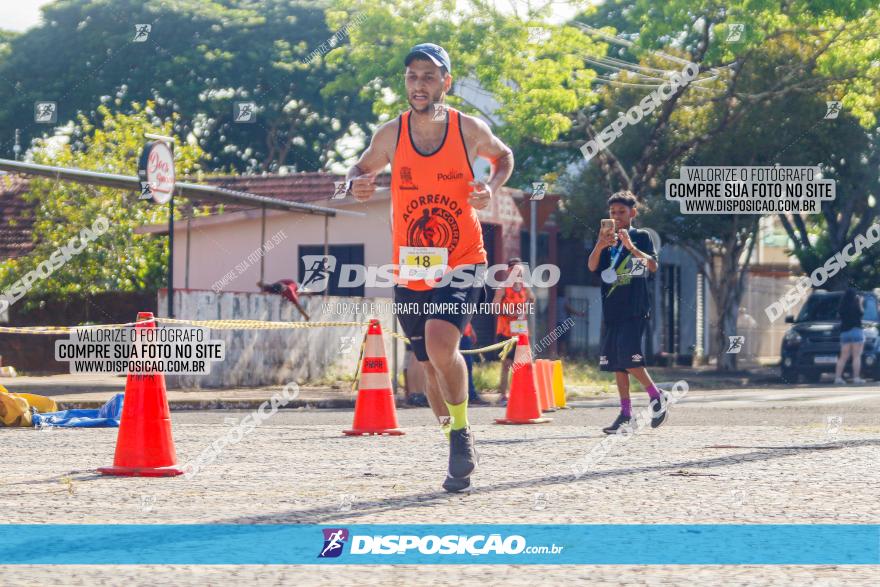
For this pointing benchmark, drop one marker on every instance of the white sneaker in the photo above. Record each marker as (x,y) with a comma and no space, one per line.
(839,381)
(858,380)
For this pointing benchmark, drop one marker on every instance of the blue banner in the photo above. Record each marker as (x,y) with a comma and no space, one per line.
(657,544)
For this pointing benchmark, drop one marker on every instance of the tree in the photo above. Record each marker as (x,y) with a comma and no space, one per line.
(547,97)
(198,59)
(118,259)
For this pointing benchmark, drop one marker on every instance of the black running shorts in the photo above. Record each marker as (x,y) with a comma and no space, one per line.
(448,303)
(622,345)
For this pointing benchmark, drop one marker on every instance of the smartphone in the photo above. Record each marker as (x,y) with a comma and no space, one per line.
(608,225)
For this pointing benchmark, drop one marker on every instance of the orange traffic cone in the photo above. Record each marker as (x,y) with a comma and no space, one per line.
(539,384)
(144,445)
(523,406)
(547,371)
(374,411)
(544,381)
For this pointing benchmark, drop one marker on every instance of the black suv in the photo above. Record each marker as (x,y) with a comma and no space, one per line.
(811,346)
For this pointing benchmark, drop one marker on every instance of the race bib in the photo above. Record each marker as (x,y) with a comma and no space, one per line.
(417,263)
(519,326)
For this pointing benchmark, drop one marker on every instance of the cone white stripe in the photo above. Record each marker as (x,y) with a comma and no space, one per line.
(374,347)
(375,381)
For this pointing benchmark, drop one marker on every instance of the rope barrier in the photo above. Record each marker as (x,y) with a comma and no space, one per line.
(505,346)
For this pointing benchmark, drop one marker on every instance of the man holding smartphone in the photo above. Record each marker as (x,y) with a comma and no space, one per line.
(622,257)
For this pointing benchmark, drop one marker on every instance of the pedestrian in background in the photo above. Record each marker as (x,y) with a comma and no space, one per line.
(852,337)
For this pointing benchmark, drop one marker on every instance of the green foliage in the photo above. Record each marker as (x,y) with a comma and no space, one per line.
(537,83)
(120,259)
(201,56)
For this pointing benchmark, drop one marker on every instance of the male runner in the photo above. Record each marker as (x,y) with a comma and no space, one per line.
(622,259)
(434,202)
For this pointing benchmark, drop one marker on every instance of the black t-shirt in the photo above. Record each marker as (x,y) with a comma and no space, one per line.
(627,297)
(850,317)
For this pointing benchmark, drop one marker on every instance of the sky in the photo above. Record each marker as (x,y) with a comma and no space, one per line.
(19,15)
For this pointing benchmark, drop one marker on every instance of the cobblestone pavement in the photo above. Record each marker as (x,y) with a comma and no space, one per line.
(706,466)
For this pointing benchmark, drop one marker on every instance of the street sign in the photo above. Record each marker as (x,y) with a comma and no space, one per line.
(156,172)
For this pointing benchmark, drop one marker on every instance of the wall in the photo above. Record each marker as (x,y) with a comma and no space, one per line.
(276,357)
(35,353)
(217,244)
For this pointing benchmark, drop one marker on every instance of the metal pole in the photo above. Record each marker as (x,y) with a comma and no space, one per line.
(394,384)
(171,256)
(327,250)
(186,275)
(262,243)
(533,256)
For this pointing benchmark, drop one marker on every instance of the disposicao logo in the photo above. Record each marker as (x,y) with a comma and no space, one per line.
(334,540)
(404,544)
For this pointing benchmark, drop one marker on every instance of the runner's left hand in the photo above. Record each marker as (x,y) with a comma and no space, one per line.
(480,195)
(624,238)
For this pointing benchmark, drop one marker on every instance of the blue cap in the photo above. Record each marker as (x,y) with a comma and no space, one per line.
(435,53)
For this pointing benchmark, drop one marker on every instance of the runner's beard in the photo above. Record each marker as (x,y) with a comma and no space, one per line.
(435,99)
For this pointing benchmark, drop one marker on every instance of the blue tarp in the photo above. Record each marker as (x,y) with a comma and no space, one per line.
(106,416)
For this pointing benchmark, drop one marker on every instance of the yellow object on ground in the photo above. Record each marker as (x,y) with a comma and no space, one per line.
(15,408)
(14,411)
(558,385)
(43,404)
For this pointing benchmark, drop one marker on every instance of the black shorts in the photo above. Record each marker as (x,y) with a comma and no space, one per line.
(413,307)
(622,345)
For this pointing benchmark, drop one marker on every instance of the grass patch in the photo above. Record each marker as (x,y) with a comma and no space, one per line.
(582,378)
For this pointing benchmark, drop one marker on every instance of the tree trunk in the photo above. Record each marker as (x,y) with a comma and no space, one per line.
(727,288)
(726,316)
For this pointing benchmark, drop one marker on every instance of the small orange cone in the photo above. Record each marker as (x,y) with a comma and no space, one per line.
(374,411)
(144,445)
(545,395)
(539,384)
(548,385)
(559,386)
(523,406)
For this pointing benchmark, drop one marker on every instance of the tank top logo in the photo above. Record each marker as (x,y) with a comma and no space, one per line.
(451,176)
(406,179)
(433,226)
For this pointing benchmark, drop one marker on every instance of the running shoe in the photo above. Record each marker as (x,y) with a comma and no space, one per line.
(620,421)
(858,380)
(462,456)
(453,485)
(839,381)
(659,409)
(477,401)
(417,400)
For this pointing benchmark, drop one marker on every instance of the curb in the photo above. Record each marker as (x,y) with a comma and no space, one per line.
(224,404)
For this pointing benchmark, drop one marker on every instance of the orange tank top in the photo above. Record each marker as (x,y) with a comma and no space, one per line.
(432,223)
(509,301)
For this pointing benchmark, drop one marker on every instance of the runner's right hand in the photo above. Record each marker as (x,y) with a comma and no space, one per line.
(363,186)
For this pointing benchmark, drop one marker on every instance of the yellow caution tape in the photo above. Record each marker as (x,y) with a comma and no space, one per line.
(506,346)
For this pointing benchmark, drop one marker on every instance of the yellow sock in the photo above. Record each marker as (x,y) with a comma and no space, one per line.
(458,412)
(446,426)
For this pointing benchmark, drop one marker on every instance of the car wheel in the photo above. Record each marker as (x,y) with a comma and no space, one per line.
(813,376)
(789,375)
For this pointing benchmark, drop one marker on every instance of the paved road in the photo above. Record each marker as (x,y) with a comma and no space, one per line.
(737,456)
